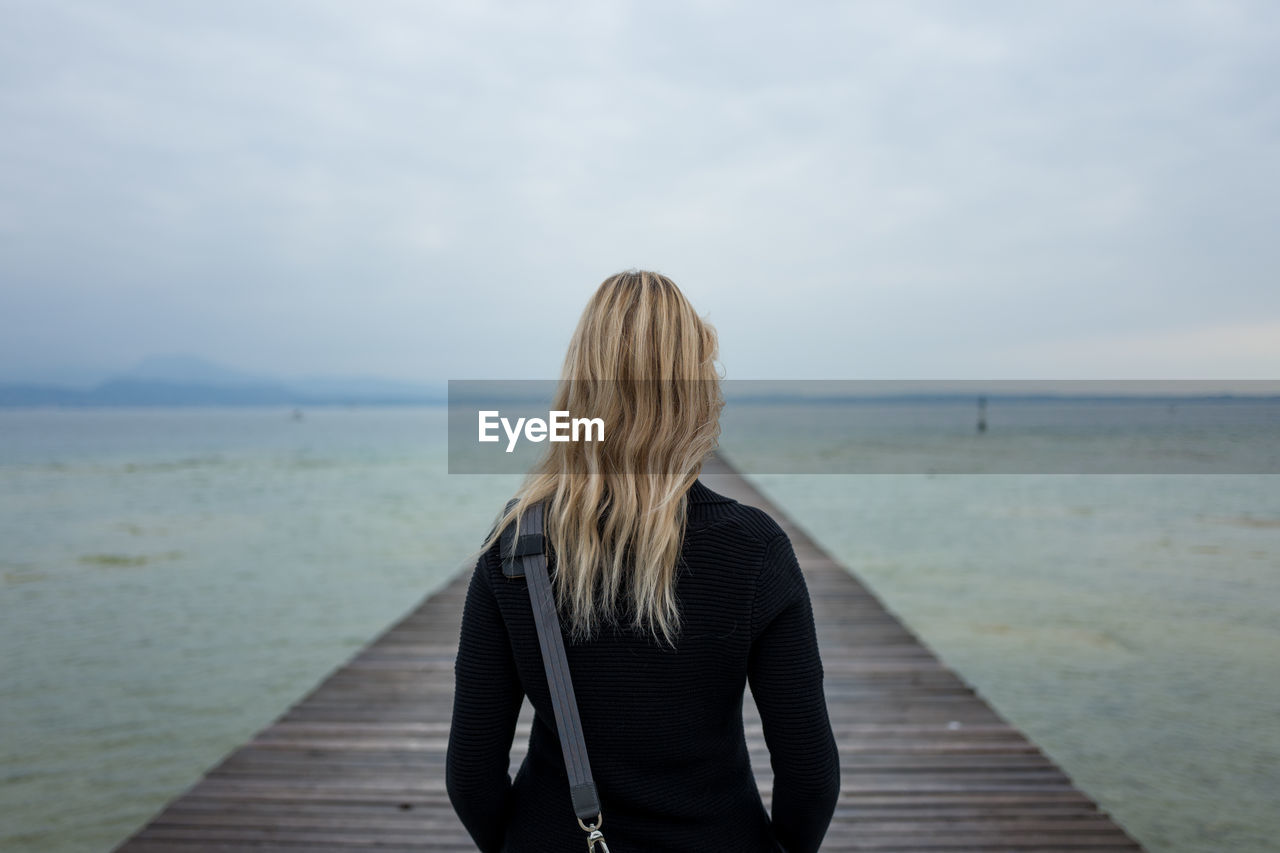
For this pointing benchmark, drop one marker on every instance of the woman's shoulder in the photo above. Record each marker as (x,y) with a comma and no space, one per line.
(748,543)
(720,515)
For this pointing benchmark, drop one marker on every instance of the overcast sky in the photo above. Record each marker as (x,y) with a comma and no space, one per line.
(421,190)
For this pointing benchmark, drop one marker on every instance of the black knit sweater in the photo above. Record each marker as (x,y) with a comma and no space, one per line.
(663,727)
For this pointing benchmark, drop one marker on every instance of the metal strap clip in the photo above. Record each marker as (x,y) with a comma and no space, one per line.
(595,838)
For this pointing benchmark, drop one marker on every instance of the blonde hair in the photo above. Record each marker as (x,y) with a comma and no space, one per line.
(644,361)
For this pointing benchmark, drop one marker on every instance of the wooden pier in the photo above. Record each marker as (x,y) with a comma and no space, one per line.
(358,764)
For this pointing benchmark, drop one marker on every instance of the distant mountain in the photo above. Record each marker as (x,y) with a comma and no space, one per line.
(185,368)
(187,380)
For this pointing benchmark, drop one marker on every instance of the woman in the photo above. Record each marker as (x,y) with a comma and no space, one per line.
(672,598)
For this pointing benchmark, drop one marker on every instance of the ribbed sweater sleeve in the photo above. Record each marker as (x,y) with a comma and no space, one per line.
(486,703)
(785,673)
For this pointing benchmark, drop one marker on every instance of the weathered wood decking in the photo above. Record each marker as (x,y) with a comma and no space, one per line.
(358,763)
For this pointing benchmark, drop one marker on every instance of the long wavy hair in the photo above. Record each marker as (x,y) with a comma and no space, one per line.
(643,361)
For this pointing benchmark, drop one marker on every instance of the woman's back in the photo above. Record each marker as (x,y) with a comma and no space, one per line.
(663,725)
(671,600)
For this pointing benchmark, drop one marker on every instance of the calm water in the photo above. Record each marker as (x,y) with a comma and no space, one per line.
(172,580)
(1129,625)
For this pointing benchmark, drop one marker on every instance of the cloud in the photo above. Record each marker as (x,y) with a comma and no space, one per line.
(847,190)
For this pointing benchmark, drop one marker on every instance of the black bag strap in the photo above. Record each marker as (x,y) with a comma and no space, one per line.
(529,553)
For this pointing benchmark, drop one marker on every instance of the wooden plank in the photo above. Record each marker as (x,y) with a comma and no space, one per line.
(358,762)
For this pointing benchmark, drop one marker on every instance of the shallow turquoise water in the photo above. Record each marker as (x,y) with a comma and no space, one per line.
(1127,624)
(172,579)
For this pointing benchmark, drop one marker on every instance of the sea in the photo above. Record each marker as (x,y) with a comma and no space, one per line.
(172,579)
